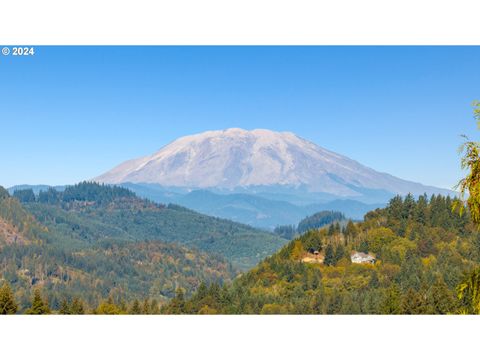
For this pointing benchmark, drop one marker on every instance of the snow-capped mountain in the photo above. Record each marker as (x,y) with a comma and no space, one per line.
(236,158)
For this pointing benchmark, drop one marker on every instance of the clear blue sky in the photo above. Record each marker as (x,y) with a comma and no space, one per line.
(70,113)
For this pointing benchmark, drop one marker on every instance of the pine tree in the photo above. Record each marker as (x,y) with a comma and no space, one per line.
(77,307)
(409,206)
(391,301)
(441,299)
(337,228)
(374,282)
(39,306)
(339,253)
(178,303)
(135,309)
(421,210)
(413,303)
(64,307)
(331,230)
(108,308)
(364,247)
(350,230)
(154,308)
(329,255)
(8,304)
(146,307)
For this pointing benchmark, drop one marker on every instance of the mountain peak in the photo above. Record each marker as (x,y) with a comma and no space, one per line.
(233,158)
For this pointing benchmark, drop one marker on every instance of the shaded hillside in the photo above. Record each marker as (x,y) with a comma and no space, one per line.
(422,250)
(125,271)
(90,212)
(17,226)
(76,256)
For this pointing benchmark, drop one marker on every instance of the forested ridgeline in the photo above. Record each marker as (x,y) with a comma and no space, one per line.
(88,211)
(423,254)
(315,221)
(98,243)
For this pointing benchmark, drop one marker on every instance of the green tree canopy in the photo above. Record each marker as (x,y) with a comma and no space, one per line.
(39,306)
(8,304)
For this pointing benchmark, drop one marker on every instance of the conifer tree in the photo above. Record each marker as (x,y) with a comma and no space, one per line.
(108,308)
(329,256)
(135,309)
(391,301)
(39,306)
(364,247)
(8,304)
(154,308)
(350,230)
(339,253)
(77,307)
(146,307)
(64,307)
(331,230)
(178,303)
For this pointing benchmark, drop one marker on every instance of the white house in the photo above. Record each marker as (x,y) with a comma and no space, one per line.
(362,258)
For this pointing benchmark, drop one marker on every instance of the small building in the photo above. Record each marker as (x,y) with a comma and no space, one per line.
(362,258)
(313,256)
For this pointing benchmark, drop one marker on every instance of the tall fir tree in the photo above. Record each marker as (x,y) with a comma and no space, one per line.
(8,305)
(39,306)
(329,259)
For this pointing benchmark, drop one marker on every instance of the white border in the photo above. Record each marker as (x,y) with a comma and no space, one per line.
(239,337)
(239,22)
(218,22)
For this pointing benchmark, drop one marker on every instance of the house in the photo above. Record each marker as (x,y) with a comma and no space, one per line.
(362,258)
(313,256)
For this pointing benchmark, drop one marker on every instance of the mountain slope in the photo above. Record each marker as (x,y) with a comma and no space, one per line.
(237,158)
(71,254)
(422,250)
(113,213)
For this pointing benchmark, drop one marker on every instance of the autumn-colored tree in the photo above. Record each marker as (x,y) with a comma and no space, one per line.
(469,289)
(469,293)
(8,304)
(471,163)
(108,308)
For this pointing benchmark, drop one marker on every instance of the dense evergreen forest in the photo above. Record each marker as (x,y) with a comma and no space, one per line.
(98,242)
(423,250)
(68,253)
(315,221)
(87,212)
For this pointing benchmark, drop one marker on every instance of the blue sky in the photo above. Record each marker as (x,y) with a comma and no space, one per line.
(71,113)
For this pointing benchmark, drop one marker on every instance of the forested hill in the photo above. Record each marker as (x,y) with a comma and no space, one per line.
(409,258)
(89,212)
(72,255)
(17,226)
